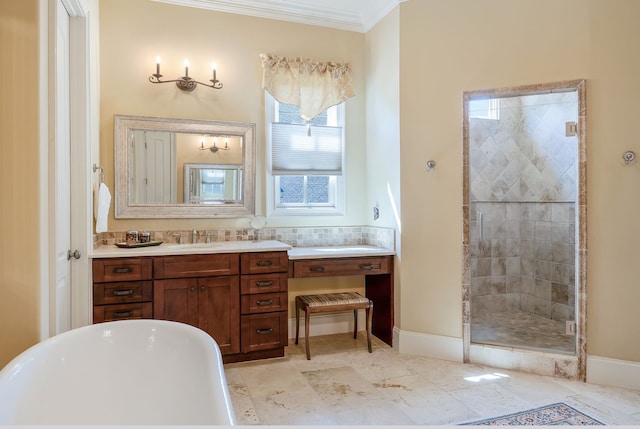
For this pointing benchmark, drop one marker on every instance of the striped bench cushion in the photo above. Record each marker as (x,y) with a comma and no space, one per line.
(329,299)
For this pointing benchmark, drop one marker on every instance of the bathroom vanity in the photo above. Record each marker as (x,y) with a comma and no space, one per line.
(235,291)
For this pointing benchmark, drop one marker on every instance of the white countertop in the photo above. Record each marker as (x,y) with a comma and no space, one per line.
(167,249)
(338,252)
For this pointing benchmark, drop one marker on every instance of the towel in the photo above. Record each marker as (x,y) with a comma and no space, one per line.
(104,201)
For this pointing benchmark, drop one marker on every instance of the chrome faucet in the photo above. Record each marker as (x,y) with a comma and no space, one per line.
(194,236)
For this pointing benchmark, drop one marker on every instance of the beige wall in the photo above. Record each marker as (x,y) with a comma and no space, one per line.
(449,47)
(19,178)
(382,48)
(134,32)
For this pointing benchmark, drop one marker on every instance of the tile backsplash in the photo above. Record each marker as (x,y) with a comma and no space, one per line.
(295,237)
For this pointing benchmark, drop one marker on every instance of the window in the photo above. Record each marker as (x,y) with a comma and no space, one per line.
(305,160)
(484,108)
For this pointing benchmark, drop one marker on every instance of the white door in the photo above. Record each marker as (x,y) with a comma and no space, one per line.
(154,164)
(60,294)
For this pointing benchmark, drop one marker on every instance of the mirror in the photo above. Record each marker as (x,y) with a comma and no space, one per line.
(182,168)
(212,184)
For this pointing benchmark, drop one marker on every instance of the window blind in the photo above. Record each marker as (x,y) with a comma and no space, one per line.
(306,149)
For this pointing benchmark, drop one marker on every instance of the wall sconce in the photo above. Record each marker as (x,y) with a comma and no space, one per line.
(213,148)
(185,83)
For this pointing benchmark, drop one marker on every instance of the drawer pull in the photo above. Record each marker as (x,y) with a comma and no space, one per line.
(122,270)
(264,283)
(264,302)
(122,313)
(264,331)
(317,269)
(366,267)
(202,288)
(193,289)
(265,263)
(123,292)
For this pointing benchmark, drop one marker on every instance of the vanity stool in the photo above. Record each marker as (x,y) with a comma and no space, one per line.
(333,302)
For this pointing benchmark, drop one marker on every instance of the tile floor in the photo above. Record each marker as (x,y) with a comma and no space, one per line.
(342,384)
(522,330)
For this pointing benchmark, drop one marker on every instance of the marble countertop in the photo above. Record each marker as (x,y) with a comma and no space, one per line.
(167,249)
(337,252)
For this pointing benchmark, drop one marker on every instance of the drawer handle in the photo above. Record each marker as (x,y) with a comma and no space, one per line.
(123,270)
(122,313)
(264,283)
(265,263)
(193,289)
(264,331)
(264,302)
(317,269)
(123,292)
(366,267)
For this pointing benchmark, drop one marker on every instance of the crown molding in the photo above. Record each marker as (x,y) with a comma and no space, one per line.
(304,13)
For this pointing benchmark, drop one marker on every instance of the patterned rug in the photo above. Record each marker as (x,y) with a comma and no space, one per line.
(549,415)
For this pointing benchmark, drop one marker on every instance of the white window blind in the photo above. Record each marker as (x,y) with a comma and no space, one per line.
(306,149)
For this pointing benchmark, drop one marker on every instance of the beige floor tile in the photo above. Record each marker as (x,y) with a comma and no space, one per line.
(343,384)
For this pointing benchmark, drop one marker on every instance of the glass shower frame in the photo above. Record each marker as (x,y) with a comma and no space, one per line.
(579,86)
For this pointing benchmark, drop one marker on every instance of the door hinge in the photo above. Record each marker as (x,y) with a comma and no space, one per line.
(571,129)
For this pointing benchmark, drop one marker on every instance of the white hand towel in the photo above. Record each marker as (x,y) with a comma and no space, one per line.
(104,200)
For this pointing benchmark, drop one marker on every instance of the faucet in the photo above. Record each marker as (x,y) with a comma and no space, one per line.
(194,236)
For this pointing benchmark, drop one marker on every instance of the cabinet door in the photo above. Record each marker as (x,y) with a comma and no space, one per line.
(176,300)
(219,311)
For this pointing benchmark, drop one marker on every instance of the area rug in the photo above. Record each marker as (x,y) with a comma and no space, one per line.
(549,415)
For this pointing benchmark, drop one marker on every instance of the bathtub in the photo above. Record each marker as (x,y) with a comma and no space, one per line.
(130,372)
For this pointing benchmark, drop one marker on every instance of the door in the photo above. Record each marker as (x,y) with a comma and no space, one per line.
(219,311)
(154,163)
(60,294)
(176,300)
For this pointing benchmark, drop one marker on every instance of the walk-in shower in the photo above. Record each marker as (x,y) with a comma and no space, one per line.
(522,206)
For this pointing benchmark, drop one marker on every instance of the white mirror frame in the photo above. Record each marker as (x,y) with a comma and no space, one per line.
(123,125)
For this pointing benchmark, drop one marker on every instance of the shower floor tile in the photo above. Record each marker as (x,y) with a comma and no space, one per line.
(522,330)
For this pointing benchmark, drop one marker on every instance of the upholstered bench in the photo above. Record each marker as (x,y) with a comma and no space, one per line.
(333,302)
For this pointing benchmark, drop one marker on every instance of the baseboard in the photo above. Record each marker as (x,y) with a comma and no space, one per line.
(613,372)
(433,346)
(327,324)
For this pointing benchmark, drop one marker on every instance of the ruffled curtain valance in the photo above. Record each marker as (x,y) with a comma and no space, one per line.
(310,85)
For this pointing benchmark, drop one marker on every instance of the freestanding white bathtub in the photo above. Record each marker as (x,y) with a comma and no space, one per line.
(130,372)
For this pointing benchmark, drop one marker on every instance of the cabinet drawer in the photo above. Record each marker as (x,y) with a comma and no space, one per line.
(262,283)
(107,313)
(264,331)
(264,262)
(263,302)
(341,266)
(121,269)
(122,292)
(219,264)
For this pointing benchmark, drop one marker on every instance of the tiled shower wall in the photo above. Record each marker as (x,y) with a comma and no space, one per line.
(525,259)
(522,207)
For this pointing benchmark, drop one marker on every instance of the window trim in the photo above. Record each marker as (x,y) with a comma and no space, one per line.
(336,183)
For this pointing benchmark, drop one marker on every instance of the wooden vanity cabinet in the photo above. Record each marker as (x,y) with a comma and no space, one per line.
(203,291)
(264,303)
(122,289)
(240,299)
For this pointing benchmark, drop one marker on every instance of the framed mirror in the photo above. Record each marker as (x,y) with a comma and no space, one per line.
(183,168)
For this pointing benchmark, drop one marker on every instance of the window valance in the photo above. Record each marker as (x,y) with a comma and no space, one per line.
(310,85)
